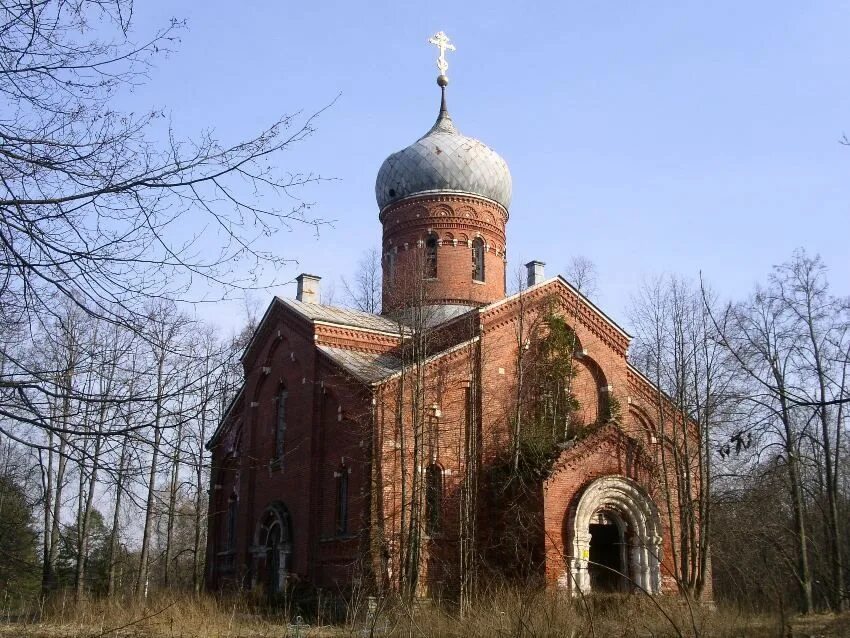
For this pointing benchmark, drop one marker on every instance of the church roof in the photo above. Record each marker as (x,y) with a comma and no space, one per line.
(444,161)
(342,316)
(366,366)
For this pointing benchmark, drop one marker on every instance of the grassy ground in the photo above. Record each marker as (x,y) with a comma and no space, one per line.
(509,613)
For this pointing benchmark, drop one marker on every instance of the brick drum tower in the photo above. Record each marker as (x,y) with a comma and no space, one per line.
(447,194)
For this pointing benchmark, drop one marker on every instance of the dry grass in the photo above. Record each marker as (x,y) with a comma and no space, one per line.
(171,615)
(507,613)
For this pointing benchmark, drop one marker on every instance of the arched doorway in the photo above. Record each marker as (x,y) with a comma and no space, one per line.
(607,561)
(273,549)
(616,539)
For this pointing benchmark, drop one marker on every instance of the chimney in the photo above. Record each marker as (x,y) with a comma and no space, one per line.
(308,288)
(535,272)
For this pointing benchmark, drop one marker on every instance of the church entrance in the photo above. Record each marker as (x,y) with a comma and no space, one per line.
(607,554)
(616,539)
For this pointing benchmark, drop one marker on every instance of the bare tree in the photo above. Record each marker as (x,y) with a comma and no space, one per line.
(166,329)
(60,366)
(90,199)
(821,323)
(582,274)
(677,347)
(757,333)
(364,292)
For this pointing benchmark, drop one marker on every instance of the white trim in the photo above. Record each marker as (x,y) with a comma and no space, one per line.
(633,507)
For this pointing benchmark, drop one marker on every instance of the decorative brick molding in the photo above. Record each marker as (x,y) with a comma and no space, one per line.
(455,222)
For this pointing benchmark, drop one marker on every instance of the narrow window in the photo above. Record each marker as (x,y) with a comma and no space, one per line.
(390,265)
(478,259)
(280,426)
(342,501)
(232,510)
(431,257)
(433,499)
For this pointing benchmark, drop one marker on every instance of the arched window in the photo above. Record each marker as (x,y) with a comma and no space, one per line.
(433,499)
(478,259)
(280,423)
(431,257)
(341,501)
(232,511)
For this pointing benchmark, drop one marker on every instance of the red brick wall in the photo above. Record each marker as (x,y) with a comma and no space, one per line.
(319,434)
(456,220)
(330,427)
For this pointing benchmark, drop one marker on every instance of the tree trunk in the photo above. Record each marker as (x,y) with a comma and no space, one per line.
(172,499)
(114,535)
(144,558)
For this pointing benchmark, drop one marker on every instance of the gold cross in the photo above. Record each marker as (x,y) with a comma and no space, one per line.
(441,41)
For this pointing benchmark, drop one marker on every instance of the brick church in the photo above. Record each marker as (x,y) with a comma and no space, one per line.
(463,434)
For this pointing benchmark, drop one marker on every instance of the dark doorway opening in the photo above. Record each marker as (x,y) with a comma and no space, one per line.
(273,561)
(606,558)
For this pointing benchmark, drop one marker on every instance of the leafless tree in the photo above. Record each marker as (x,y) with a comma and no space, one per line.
(90,200)
(677,347)
(582,274)
(167,331)
(364,291)
(794,380)
(822,324)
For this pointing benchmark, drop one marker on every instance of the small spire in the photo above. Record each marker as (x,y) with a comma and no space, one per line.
(444,121)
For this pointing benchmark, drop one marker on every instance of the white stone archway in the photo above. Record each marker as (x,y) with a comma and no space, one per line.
(624,503)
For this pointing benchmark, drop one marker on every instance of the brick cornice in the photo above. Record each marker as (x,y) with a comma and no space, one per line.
(450,199)
(450,224)
(355,339)
(609,433)
(570,304)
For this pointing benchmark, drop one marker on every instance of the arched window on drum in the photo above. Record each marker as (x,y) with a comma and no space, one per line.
(431,244)
(478,259)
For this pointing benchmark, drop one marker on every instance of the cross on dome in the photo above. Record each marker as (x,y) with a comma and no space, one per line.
(441,41)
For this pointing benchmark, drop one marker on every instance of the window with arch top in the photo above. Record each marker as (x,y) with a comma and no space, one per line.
(431,256)
(232,513)
(478,259)
(280,423)
(433,499)
(341,501)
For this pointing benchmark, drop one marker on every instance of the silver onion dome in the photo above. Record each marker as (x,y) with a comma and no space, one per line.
(443,160)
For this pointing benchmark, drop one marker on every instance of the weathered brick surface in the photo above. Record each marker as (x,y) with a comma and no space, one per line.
(336,424)
(456,221)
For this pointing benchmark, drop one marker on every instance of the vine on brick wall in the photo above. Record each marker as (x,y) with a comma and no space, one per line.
(546,414)
(549,403)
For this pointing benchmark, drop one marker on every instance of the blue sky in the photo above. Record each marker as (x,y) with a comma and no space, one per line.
(648,137)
